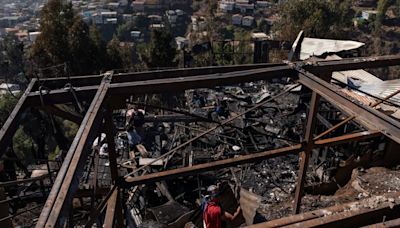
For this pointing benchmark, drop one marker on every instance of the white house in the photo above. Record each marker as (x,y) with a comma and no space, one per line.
(138,6)
(237,19)
(244,6)
(111,21)
(248,21)
(366,14)
(5,88)
(171,15)
(33,36)
(181,42)
(226,5)
(135,35)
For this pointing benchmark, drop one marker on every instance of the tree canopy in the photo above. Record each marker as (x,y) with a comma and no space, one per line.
(322,19)
(162,51)
(65,38)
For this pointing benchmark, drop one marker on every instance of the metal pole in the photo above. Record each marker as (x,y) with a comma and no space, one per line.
(305,155)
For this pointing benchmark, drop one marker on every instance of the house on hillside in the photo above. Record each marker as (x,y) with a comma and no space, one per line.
(237,19)
(247,21)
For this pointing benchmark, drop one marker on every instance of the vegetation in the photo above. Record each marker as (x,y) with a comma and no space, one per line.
(11,59)
(162,51)
(65,38)
(323,19)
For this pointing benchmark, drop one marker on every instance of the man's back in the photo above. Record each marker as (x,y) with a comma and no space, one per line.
(212,215)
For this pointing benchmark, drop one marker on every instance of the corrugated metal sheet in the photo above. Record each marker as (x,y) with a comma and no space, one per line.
(383,89)
(316,47)
(361,75)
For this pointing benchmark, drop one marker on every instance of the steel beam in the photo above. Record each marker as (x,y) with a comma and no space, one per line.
(202,81)
(11,125)
(352,63)
(111,210)
(89,80)
(368,117)
(66,183)
(305,155)
(353,214)
(75,118)
(386,224)
(318,66)
(359,136)
(86,89)
(185,171)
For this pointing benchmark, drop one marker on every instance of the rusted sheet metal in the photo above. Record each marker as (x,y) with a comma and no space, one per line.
(386,224)
(305,155)
(348,119)
(366,116)
(354,214)
(11,125)
(66,183)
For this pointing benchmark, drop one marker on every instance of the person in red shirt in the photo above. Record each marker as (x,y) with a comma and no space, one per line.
(213,214)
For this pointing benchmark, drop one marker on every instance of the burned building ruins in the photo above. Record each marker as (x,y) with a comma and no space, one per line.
(309,142)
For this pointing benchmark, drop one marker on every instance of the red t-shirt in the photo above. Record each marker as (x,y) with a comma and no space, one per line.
(212,215)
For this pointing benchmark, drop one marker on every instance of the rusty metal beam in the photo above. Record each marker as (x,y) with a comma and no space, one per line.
(365,215)
(305,155)
(111,210)
(185,171)
(352,63)
(11,125)
(318,66)
(342,215)
(89,80)
(368,117)
(386,224)
(202,81)
(75,118)
(164,85)
(131,80)
(66,183)
(359,136)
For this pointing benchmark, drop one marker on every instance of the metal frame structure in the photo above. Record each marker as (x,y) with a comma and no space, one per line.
(107,92)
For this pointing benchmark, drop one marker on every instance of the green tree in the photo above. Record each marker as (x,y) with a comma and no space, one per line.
(119,54)
(162,51)
(65,38)
(51,46)
(11,58)
(99,49)
(324,19)
(382,8)
(124,31)
(82,49)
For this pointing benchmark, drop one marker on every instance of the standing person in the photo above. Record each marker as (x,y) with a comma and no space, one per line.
(213,214)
